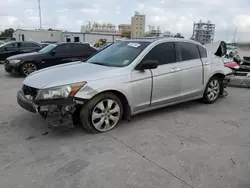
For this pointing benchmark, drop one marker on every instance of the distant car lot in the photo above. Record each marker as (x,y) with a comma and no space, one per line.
(188,145)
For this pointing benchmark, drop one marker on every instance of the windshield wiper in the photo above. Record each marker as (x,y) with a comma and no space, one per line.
(99,63)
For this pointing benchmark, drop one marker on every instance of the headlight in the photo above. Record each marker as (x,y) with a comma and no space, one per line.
(60,92)
(15,61)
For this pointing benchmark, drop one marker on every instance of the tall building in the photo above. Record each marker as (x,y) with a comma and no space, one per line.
(125,30)
(203,32)
(138,22)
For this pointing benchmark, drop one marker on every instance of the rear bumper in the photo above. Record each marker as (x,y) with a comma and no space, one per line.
(25,103)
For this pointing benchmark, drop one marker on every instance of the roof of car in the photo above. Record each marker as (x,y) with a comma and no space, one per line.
(167,39)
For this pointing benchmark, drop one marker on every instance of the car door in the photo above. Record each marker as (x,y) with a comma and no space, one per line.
(166,77)
(60,55)
(190,69)
(10,49)
(82,52)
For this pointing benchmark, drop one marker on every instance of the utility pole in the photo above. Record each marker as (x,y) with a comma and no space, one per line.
(40,14)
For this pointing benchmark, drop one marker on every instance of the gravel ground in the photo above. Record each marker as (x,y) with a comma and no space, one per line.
(188,145)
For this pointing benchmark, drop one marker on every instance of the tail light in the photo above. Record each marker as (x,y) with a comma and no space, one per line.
(232,65)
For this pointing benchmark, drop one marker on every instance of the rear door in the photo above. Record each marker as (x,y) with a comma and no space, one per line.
(61,54)
(190,69)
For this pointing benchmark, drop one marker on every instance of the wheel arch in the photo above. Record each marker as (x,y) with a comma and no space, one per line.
(123,99)
(219,75)
(27,62)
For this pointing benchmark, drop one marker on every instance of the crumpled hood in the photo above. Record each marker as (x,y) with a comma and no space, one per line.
(25,56)
(70,73)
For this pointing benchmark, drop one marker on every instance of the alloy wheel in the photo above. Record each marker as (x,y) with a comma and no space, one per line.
(213,90)
(105,115)
(29,68)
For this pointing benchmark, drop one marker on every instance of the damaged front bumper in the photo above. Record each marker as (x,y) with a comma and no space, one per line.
(57,112)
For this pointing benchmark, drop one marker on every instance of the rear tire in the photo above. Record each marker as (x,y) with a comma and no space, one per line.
(213,90)
(27,68)
(102,113)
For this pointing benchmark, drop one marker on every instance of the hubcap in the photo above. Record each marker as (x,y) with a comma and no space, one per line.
(105,115)
(213,90)
(29,68)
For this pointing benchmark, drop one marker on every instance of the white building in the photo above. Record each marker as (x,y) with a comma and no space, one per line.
(37,35)
(89,37)
(138,22)
(59,36)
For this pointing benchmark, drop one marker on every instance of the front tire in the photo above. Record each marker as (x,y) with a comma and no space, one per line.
(27,68)
(102,113)
(213,90)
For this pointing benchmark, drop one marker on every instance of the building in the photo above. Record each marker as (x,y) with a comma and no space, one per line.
(100,28)
(88,37)
(60,36)
(37,35)
(138,22)
(125,30)
(203,32)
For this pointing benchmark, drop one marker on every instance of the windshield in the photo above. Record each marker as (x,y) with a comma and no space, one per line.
(48,48)
(119,54)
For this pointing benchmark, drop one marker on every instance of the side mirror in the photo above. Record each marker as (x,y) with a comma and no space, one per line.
(148,64)
(53,53)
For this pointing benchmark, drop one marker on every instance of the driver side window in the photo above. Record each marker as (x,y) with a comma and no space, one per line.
(164,53)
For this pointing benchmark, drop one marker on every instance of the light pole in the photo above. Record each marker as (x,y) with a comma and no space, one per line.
(40,14)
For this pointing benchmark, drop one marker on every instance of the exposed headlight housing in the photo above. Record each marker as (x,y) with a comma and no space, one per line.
(60,92)
(14,61)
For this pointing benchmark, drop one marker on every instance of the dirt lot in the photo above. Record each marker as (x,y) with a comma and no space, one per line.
(188,145)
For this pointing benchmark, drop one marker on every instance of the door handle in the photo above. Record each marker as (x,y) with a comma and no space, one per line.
(175,70)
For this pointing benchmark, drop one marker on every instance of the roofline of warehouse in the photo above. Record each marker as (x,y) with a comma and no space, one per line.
(69,32)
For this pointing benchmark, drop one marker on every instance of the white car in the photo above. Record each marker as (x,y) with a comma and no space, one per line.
(124,79)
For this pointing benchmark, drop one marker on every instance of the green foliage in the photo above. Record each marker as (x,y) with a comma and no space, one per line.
(178,35)
(7,33)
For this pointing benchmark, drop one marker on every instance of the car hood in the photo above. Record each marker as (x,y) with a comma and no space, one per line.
(24,56)
(70,73)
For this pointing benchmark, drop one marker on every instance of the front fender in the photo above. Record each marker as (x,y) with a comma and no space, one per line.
(96,87)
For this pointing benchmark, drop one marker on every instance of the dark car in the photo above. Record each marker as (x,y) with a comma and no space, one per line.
(13,48)
(43,44)
(51,55)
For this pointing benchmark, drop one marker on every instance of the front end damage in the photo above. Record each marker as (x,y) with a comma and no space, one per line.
(57,112)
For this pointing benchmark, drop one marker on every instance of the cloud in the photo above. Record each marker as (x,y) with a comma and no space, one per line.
(174,16)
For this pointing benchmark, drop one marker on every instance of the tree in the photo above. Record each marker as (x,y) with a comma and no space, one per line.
(178,35)
(7,33)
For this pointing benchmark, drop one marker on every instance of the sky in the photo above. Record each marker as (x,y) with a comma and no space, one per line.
(171,15)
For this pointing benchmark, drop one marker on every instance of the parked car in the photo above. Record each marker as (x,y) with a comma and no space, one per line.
(124,79)
(43,44)
(51,55)
(12,48)
(50,42)
(104,46)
